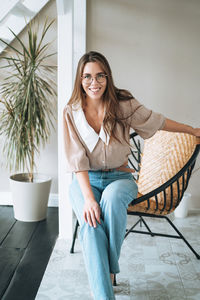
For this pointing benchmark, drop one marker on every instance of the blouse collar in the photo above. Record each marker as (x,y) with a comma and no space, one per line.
(87,133)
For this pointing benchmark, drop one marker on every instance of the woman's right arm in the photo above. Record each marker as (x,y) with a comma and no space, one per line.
(77,160)
(91,211)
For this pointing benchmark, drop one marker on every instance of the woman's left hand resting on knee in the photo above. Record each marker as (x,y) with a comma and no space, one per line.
(91,211)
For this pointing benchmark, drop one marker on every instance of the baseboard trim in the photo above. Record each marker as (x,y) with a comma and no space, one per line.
(6,199)
(194,210)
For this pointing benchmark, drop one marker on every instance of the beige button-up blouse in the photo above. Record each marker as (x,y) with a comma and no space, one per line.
(87,150)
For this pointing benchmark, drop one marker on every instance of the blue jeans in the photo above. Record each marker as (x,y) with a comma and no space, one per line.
(101,246)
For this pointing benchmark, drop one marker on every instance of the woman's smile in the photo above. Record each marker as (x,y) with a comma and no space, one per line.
(95,90)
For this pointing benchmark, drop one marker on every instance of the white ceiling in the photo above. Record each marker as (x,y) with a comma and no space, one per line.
(15,14)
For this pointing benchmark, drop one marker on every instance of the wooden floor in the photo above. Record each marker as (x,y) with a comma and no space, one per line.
(25,249)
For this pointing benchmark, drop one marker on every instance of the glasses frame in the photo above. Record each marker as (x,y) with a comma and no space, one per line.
(95,77)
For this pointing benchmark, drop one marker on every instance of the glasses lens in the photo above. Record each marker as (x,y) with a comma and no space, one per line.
(101,78)
(87,78)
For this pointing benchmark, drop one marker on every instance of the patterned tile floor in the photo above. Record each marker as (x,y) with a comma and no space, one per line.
(152,268)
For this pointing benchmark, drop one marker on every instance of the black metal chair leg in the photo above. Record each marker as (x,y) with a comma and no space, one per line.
(147,227)
(115,281)
(182,237)
(74,237)
(130,230)
(149,232)
(140,221)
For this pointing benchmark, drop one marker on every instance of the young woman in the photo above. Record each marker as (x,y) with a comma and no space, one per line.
(97,122)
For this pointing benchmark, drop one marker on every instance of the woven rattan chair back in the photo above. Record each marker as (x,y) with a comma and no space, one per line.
(163,170)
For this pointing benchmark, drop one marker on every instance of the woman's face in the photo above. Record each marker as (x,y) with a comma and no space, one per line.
(94,80)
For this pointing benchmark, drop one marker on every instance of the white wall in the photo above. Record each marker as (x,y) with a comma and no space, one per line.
(153,47)
(47,161)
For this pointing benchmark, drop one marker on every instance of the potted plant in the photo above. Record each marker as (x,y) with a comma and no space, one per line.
(27,110)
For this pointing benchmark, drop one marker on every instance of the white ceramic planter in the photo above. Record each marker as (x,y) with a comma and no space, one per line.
(182,210)
(30,199)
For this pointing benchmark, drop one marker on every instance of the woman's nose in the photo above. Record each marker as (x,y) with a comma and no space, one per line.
(93,80)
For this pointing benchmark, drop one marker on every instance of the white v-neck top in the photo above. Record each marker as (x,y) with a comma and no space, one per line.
(87,133)
(87,150)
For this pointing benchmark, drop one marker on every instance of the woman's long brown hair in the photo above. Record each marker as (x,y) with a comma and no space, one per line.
(112,95)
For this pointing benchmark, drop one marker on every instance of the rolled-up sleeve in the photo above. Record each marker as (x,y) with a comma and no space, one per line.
(143,120)
(76,157)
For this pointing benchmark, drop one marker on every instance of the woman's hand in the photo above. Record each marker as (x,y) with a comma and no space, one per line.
(92,212)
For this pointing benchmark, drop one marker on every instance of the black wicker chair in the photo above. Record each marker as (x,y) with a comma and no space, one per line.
(148,205)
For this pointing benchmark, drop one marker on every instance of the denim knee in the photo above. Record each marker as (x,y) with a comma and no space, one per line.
(87,231)
(119,192)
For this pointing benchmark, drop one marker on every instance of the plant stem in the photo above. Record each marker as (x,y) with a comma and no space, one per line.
(32,157)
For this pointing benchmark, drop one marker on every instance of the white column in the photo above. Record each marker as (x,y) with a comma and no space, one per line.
(71,45)
(79,30)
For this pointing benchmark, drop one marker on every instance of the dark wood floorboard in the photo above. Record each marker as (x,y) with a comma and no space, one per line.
(28,247)
(20,235)
(9,259)
(6,221)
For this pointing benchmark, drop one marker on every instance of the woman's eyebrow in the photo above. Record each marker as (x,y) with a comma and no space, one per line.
(95,74)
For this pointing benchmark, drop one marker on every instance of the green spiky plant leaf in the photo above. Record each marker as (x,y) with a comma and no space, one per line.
(28,98)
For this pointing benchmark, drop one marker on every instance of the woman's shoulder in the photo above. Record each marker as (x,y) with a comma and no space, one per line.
(129,106)
(69,108)
(67,112)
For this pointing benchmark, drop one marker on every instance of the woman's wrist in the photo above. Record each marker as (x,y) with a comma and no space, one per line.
(89,199)
(191,130)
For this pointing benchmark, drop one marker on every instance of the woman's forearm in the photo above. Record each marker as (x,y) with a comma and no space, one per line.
(174,126)
(83,180)
(91,210)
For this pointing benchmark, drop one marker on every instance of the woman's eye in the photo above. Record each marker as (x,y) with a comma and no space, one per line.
(87,76)
(100,76)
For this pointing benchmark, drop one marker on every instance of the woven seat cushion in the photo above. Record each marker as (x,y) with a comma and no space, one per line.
(163,156)
(153,208)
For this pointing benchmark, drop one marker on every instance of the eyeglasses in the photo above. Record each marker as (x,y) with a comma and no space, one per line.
(100,78)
